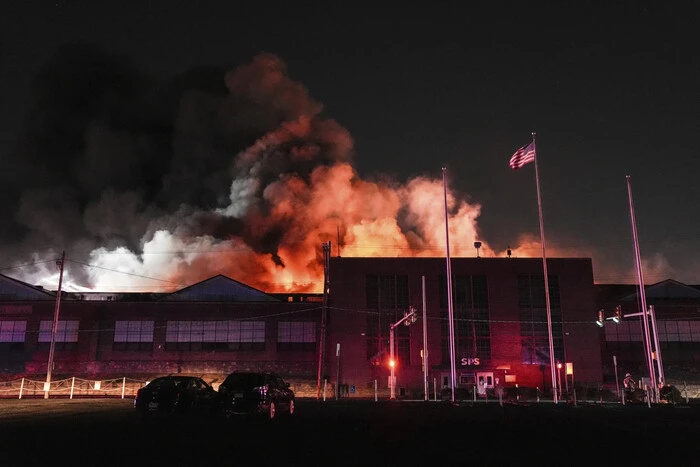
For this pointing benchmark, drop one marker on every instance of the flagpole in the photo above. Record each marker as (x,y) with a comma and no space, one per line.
(450,309)
(546,279)
(642,292)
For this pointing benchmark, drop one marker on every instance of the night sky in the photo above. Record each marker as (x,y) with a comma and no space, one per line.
(126,122)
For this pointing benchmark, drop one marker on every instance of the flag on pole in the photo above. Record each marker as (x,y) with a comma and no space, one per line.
(523,156)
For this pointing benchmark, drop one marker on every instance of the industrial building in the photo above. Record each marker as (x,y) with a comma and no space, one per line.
(500,333)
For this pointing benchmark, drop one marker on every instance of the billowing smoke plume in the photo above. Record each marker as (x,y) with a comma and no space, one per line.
(149,186)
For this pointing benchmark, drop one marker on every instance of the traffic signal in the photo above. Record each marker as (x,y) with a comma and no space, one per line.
(618,314)
(601,318)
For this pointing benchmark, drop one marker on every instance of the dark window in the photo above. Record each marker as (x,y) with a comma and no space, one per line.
(387,301)
(534,329)
(141,346)
(471,317)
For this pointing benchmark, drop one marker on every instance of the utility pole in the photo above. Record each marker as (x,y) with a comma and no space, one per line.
(47,385)
(326,285)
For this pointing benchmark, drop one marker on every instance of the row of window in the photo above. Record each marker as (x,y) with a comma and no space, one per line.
(179,335)
(389,295)
(667,331)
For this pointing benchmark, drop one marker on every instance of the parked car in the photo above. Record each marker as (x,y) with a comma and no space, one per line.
(256,393)
(176,394)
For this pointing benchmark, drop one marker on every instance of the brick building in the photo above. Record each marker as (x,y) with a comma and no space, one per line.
(219,325)
(210,328)
(677,322)
(501,331)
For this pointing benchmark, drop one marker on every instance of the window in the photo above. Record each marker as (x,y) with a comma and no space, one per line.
(12,331)
(215,335)
(296,335)
(12,334)
(534,330)
(387,301)
(66,335)
(471,315)
(133,335)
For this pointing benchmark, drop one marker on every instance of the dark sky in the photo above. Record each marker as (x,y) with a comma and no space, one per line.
(610,88)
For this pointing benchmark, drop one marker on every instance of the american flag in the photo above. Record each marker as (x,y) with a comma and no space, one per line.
(522,156)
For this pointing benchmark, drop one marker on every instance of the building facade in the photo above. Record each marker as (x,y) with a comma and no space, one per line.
(674,333)
(500,327)
(211,328)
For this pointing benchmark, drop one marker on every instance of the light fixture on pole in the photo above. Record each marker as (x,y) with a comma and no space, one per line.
(408,319)
(559,365)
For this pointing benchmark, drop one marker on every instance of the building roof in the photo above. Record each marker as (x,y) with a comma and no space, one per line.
(668,289)
(220,288)
(13,289)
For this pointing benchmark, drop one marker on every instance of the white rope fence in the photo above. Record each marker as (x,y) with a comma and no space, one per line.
(71,387)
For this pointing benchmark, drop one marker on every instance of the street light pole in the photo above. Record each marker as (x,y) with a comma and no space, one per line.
(54,330)
(657,345)
(392,362)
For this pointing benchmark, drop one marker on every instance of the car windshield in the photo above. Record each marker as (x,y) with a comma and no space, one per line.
(244,380)
(168,382)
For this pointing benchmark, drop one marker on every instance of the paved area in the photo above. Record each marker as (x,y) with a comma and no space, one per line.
(362,433)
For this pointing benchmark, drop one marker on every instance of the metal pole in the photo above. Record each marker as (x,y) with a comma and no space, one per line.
(450,308)
(642,292)
(123,386)
(617,381)
(425,346)
(392,364)
(322,343)
(72,386)
(657,345)
(337,372)
(47,386)
(546,280)
(559,377)
(375,390)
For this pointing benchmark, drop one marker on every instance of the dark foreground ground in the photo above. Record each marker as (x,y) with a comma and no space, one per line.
(107,432)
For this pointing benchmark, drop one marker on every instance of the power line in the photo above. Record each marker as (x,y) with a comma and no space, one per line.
(122,272)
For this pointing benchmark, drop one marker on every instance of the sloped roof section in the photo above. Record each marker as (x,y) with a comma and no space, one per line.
(13,289)
(220,289)
(668,290)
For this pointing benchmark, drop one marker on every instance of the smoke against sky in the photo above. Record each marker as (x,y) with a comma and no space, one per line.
(248,183)
(151,178)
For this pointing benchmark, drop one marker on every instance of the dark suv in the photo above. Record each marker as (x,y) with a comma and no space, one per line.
(255,393)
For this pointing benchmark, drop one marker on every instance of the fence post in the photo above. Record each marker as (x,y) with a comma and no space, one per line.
(21,388)
(375,390)
(72,385)
(123,386)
